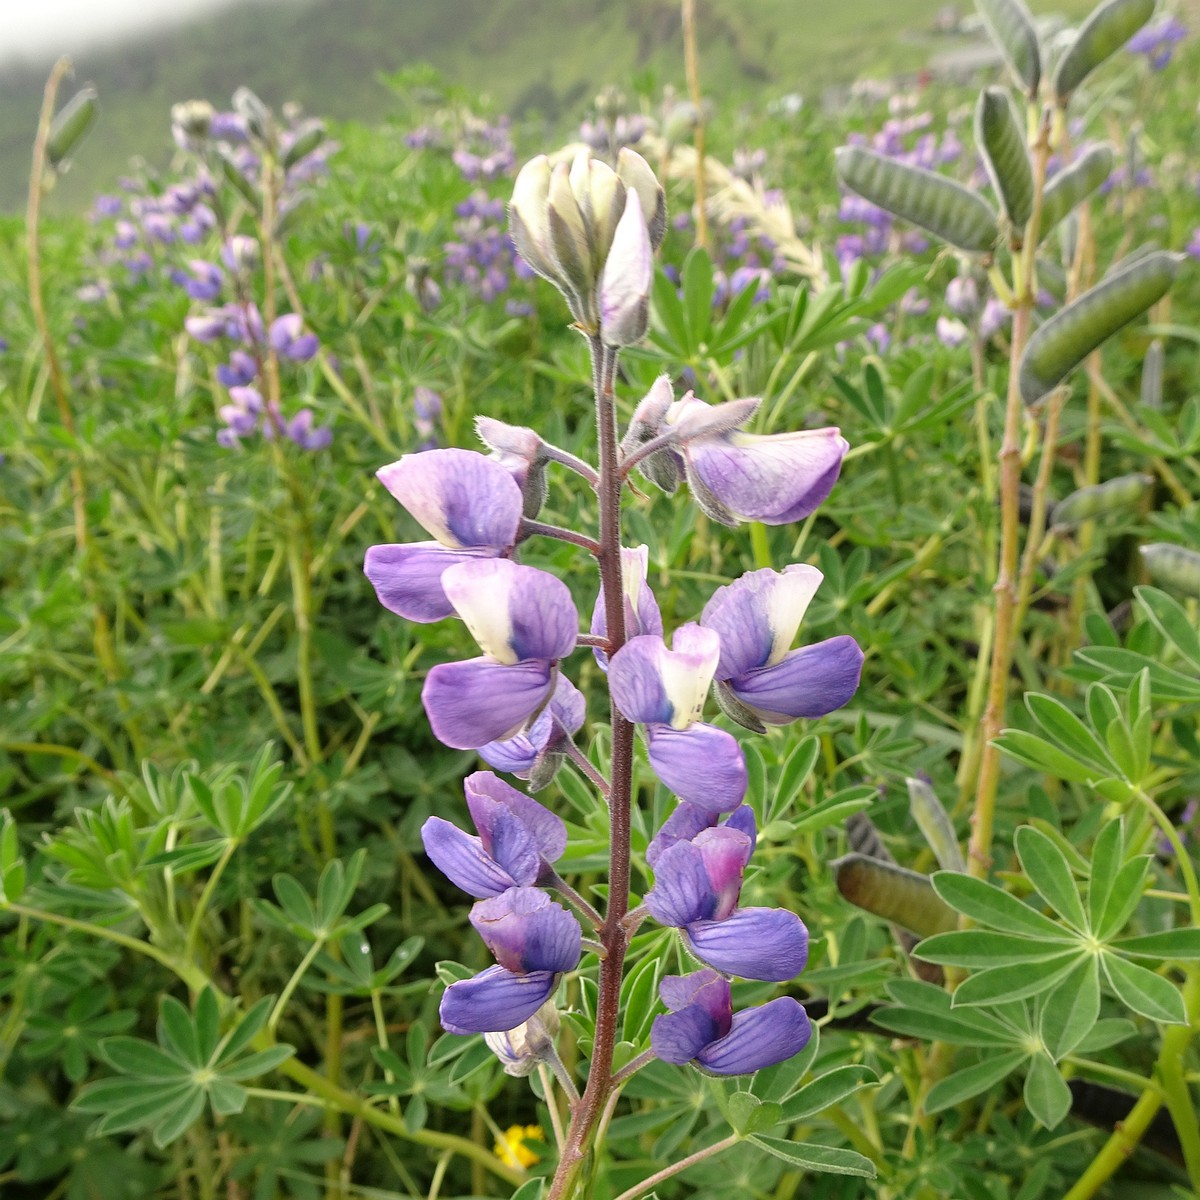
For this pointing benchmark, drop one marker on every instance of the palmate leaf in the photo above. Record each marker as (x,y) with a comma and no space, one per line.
(998,985)
(825,1090)
(989,905)
(984,948)
(808,1156)
(1049,872)
(971,1081)
(1144,992)
(1069,1012)
(1046,1093)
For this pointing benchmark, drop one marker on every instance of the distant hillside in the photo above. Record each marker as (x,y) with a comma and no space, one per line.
(548,56)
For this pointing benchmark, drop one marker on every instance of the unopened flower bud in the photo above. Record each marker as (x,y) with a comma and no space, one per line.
(253,111)
(519,451)
(625,283)
(74,119)
(520,1050)
(635,172)
(193,118)
(1173,567)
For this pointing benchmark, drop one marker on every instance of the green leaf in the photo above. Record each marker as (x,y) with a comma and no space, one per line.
(1105,1033)
(1070,1011)
(1145,992)
(639,993)
(257,1064)
(740,1109)
(794,774)
(1001,984)
(1046,1093)
(1172,621)
(246,1030)
(983,948)
(962,1029)
(698,297)
(1172,945)
(832,811)
(1036,752)
(179,1118)
(136,1057)
(1123,899)
(1049,872)
(1068,731)
(825,1090)
(207,1025)
(810,1157)
(1107,853)
(177,1034)
(989,905)
(533,1189)
(970,1081)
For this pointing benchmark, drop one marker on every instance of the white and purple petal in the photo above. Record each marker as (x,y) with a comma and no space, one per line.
(808,682)
(756,943)
(772,478)
(495,1000)
(514,612)
(464,861)
(462,498)
(642,614)
(701,764)
(527,931)
(472,703)
(758,615)
(407,577)
(759,1037)
(651,684)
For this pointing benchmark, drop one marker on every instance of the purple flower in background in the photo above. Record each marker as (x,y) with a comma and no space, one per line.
(697,883)
(241,370)
(518,840)
(534,941)
(1193,247)
(952,333)
(427,412)
(286,339)
(703,1028)
(202,281)
(664,690)
(641,609)
(1157,42)
(962,296)
(472,508)
(241,415)
(524,621)
(301,431)
(996,314)
(760,680)
(535,753)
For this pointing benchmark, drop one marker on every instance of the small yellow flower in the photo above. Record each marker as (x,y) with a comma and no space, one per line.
(511,1149)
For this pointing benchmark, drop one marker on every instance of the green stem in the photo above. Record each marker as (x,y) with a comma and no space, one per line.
(292,983)
(682,1165)
(189,946)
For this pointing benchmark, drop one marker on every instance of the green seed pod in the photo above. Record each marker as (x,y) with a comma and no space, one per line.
(1108,28)
(1114,496)
(72,122)
(999,136)
(1152,375)
(305,140)
(936,203)
(934,823)
(1065,340)
(1015,35)
(233,174)
(1173,567)
(1075,183)
(894,893)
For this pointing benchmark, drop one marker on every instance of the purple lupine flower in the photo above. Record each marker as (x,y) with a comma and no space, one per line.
(427,412)
(996,314)
(518,840)
(520,1050)
(158,227)
(126,235)
(300,430)
(241,416)
(105,206)
(962,296)
(240,371)
(1157,42)
(534,941)
(624,291)
(202,280)
(879,336)
(1193,247)
(536,753)
(641,609)
(469,504)
(524,621)
(757,617)
(774,478)
(520,451)
(697,884)
(285,338)
(703,1028)
(687,821)
(952,333)
(240,254)
(664,690)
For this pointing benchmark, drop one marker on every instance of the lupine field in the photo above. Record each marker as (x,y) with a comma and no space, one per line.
(661,659)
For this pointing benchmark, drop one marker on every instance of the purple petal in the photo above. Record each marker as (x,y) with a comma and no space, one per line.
(682,892)
(460,497)
(701,764)
(725,853)
(408,577)
(527,931)
(756,943)
(464,861)
(760,1037)
(284,330)
(809,682)
(693,418)
(678,1037)
(518,755)
(487,796)
(478,701)
(773,478)
(687,821)
(704,987)
(495,1000)
(514,612)
(758,615)
(514,849)
(642,615)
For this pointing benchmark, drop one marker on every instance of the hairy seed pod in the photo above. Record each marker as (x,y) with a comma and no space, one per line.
(72,122)
(1152,375)
(945,208)
(1173,567)
(934,823)
(999,136)
(234,175)
(1065,340)
(1075,183)
(894,893)
(1015,35)
(1114,496)
(307,138)
(1104,32)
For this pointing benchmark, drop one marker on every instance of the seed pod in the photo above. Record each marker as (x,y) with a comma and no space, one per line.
(1173,567)
(1152,375)
(934,823)
(234,175)
(72,122)
(1015,35)
(306,139)
(999,136)
(1065,340)
(936,203)
(1114,496)
(1108,28)
(1075,183)
(894,893)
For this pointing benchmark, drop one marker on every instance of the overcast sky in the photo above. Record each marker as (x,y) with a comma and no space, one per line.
(53,27)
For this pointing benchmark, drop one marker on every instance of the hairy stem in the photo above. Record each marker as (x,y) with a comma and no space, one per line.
(682,1165)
